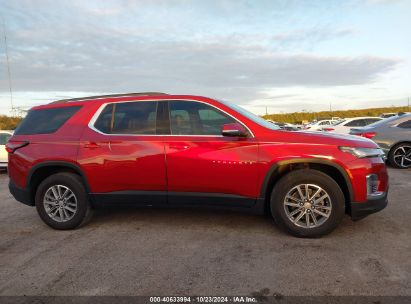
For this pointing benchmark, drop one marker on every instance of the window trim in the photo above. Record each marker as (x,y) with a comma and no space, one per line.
(101,108)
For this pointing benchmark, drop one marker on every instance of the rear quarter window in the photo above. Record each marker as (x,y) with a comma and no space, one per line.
(45,121)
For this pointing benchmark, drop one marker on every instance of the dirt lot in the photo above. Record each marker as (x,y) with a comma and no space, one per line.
(185,252)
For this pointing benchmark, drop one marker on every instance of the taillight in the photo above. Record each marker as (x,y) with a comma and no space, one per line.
(368,134)
(328,129)
(12,146)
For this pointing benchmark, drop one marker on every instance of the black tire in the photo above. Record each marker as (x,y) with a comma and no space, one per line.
(307,176)
(74,183)
(392,153)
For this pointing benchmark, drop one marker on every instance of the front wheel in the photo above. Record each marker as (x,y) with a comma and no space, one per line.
(62,202)
(307,203)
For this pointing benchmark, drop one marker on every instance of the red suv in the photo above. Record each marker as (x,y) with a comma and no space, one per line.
(152,149)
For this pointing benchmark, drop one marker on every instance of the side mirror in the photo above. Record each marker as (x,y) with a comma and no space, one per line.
(234,130)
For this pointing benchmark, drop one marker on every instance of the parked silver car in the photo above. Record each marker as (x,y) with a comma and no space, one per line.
(393,135)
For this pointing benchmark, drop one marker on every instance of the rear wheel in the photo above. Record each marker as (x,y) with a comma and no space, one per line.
(307,203)
(62,202)
(400,156)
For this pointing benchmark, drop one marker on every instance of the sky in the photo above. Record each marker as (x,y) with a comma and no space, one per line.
(279,56)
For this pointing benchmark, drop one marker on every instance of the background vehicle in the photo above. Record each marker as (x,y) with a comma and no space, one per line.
(285,126)
(344,126)
(387,115)
(71,156)
(319,125)
(393,135)
(4,137)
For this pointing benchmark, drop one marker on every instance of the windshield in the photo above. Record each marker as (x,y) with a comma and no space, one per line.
(257,119)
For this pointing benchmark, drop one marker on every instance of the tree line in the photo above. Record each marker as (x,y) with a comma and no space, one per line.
(9,123)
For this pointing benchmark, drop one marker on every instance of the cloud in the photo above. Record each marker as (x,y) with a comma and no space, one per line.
(86,63)
(140,46)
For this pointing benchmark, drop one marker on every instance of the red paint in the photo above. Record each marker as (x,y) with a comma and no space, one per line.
(215,164)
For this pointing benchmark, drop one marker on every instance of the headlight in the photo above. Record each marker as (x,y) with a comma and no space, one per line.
(363,152)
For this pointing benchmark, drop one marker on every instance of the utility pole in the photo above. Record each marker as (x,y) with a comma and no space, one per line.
(8,67)
(266,110)
(408,103)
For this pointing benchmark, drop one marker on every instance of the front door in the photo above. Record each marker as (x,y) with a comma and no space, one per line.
(204,167)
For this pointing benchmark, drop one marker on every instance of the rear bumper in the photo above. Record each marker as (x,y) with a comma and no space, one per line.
(21,195)
(361,210)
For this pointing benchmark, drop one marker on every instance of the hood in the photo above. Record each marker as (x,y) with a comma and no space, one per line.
(311,137)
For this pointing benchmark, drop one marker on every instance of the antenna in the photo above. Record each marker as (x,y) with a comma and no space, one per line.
(8,66)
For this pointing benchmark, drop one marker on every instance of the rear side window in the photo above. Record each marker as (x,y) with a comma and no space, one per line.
(356,123)
(405,124)
(128,118)
(371,120)
(45,121)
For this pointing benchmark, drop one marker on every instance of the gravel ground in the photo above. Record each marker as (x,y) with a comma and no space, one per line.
(186,252)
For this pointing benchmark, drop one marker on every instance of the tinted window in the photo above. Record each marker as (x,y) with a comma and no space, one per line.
(195,118)
(128,118)
(356,123)
(371,120)
(4,137)
(45,121)
(405,124)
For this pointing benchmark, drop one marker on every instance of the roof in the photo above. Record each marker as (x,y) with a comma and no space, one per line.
(107,96)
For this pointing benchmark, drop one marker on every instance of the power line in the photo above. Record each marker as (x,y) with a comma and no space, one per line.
(8,65)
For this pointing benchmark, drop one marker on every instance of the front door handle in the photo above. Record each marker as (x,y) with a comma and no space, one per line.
(179,147)
(91,145)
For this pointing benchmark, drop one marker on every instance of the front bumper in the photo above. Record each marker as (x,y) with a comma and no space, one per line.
(361,210)
(21,195)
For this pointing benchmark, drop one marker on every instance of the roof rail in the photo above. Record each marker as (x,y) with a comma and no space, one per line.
(107,96)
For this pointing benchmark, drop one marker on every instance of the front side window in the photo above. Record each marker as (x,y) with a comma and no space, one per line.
(137,118)
(195,118)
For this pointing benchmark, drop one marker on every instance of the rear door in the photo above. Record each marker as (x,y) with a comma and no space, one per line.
(204,167)
(122,155)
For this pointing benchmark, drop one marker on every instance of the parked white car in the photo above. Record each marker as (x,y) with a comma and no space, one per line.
(319,125)
(344,126)
(4,137)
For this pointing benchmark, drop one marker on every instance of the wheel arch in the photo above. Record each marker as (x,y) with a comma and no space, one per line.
(330,168)
(42,170)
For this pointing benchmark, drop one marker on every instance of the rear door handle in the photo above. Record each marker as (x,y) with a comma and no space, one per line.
(91,145)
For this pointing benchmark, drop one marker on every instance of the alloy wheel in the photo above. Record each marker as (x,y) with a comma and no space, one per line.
(402,156)
(60,203)
(307,205)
